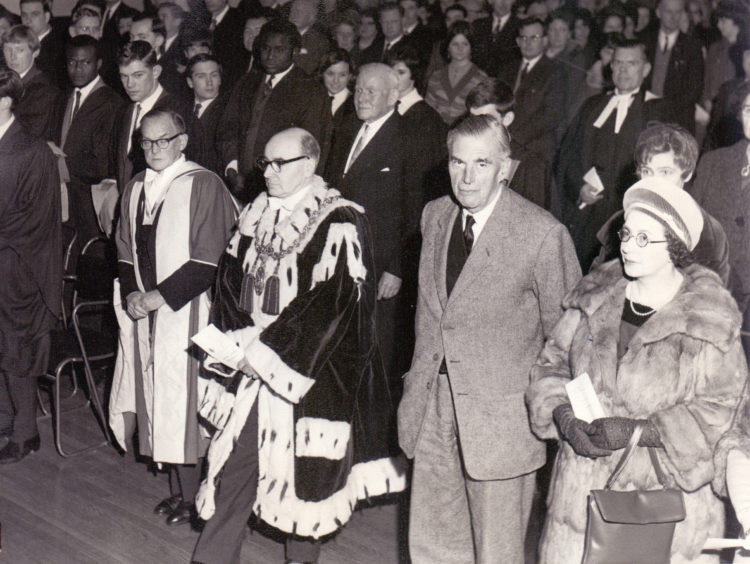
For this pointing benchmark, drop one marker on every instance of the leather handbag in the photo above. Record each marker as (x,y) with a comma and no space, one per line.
(633,527)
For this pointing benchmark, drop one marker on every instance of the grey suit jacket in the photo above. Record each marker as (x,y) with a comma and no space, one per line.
(490,331)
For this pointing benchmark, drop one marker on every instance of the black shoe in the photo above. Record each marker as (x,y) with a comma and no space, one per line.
(13,452)
(182,514)
(168,505)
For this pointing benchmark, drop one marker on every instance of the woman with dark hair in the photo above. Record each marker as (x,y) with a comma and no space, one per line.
(725,127)
(336,74)
(658,338)
(370,44)
(583,38)
(447,88)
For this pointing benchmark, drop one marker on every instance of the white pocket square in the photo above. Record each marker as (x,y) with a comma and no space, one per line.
(386,169)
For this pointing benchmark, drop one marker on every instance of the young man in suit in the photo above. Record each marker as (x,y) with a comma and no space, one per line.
(172,58)
(30,285)
(495,48)
(276,96)
(315,44)
(203,75)
(374,162)
(227,26)
(139,73)
(676,63)
(115,11)
(34,109)
(539,100)
(479,330)
(37,15)
(599,145)
(86,122)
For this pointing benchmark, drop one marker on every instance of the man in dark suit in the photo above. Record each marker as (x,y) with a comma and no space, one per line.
(37,15)
(112,41)
(34,109)
(495,50)
(539,100)
(172,57)
(492,276)
(227,26)
(86,121)
(31,281)
(315,44)
(276,96)
(595,164)
(139,73)
(392,25)
(374,164)
(419,34)
(203,76)
(676,63)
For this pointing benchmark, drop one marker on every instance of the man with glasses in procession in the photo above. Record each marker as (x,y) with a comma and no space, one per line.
(175,220)
(306,427)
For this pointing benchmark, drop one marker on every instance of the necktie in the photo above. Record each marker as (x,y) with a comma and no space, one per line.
(135,126)
(521,74)
(469,233)
(197,111)
(268,86)
(664,44)
(76,106)
(358,147)
(386,47)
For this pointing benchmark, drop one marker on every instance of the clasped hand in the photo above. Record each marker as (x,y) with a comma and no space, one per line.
(140,304)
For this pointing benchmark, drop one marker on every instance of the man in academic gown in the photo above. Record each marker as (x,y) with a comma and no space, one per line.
(175,220)
(598,149)
(30,285)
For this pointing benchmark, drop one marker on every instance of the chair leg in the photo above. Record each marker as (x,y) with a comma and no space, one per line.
(40,402)
(94,397)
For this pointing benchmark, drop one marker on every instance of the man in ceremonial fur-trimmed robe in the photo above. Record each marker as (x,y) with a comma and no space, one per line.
(175,220)
(306,429)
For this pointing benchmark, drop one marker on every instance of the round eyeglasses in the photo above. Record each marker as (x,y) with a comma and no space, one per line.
(641,239)
(276,164)
(162,144)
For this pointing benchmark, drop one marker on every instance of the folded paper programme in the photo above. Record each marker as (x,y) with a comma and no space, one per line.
(583,399)
(219,346)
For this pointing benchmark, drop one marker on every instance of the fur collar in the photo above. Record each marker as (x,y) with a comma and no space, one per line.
(702,309)
(254,222)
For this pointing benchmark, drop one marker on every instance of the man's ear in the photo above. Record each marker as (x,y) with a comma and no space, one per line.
(508,118)
(190,82)
(98,65)
(156,71)
(646,69)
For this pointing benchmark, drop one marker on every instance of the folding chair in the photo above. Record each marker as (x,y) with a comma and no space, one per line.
(81,345)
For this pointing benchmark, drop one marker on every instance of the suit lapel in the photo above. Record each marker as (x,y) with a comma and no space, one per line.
(381,140)
(484,247)
(442,240)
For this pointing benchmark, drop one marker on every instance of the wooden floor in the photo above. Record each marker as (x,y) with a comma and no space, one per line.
(97,508)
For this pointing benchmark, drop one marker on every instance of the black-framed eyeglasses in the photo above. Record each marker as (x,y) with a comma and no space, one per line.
(146,144)
(641,239)
(276,164)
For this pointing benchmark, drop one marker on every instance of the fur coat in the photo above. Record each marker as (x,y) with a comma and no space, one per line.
(683,369)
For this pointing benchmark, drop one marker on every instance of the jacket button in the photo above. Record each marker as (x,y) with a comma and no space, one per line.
(436,357)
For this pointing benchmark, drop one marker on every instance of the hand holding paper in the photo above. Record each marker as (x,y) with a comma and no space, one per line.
(221,347)
(592,189)
(583,399)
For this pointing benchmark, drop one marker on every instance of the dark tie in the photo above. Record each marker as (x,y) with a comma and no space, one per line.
(521,75)
(469,233)
(268,86)
(358,147)
(76,106)
(197,111)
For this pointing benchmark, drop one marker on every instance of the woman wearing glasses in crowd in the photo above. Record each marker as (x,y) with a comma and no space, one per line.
(659,338)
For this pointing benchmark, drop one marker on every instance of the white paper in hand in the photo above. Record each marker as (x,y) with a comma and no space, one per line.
(583,399)
(219,346)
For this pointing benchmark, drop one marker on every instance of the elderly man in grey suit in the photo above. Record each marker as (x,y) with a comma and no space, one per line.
(493,272)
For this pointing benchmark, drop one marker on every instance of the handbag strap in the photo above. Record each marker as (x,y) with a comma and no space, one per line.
(632,443)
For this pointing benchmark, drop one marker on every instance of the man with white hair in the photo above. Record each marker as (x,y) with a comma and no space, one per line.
(376,165)
(304,427)
(492,276)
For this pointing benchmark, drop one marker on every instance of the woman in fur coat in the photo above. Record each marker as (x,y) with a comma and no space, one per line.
(659,339)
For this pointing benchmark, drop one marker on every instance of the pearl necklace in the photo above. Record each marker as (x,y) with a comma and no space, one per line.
(632,307)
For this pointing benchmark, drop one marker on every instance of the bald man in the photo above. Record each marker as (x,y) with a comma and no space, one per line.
(304,425)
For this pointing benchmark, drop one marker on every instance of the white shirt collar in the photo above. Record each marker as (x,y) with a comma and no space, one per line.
(671,38)
(169,40)
(338,99)
(482,216)
(286,205)
(204,105)
(6,126)
(155,185)
(392,42)
(278,76)
(220,16)
(24,73)
(532,62)
(499,23)
(412,27)
(88,89)
(408,100)
(45,34)
(112,8)
(149,102)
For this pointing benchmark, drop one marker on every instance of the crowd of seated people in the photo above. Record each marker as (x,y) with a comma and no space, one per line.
(594,94)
